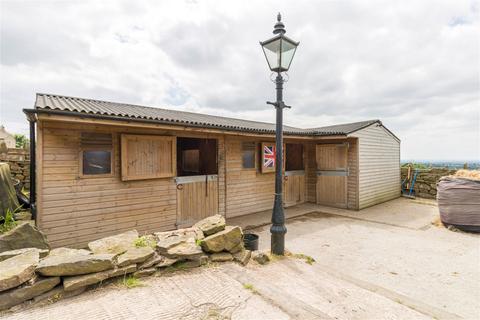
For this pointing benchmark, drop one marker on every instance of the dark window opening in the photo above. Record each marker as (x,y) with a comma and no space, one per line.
(96,153)
(97,162)
(196,156)
(248,155)
(294,157)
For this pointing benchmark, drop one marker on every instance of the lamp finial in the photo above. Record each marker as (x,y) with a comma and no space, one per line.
(279,26)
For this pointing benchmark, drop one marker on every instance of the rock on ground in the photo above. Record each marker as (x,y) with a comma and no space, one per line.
(68,252)
(221,257)
(225,240)
(58,293)
(135,255)
(116,244)
(211,224)
(180,244)
(18,269)
(22,236)
(260,257)
(70,265)
(166,262)
(76,282)
(242,256)
(144,273)
(12,253)
(152,261)
(27,291)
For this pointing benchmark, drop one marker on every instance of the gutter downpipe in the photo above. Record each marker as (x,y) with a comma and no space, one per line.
(33,199)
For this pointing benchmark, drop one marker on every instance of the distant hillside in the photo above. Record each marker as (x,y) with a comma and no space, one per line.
(443,164)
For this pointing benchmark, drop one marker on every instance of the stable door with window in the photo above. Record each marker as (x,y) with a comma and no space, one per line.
(197,180)
(332,173)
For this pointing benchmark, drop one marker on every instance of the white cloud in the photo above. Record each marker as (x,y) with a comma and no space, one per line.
(412,64)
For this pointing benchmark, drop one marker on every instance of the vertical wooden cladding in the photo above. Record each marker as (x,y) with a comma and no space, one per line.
(196,199)
(294,189)
(147,157)
(332,182)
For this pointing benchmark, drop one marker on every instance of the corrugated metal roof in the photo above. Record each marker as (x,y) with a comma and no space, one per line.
(73,105)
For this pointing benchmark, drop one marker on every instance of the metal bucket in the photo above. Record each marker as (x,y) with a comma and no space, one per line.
(250,241)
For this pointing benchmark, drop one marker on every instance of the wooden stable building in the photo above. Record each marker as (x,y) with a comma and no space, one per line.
(103,168)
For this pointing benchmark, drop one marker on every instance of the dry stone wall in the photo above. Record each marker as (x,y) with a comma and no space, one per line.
(426,182)
(19,162)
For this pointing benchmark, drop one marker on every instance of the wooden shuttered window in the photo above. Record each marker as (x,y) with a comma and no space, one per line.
(147,157)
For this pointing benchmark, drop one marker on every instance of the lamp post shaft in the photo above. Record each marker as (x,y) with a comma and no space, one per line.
(278,228)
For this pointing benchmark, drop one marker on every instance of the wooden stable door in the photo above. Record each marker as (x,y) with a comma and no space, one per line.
(332,172)
(294,188)
(197,198)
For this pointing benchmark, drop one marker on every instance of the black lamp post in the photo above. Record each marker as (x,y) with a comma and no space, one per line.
(279,52)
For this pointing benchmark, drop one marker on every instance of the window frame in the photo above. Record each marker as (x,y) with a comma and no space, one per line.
(255,147)
(111,149)
(124,156)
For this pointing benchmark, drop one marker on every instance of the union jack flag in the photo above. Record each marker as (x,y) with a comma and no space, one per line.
(269,156)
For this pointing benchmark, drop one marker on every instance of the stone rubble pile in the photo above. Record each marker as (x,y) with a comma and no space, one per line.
(37,274)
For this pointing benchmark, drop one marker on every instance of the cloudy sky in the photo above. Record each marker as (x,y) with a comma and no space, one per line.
(412,64)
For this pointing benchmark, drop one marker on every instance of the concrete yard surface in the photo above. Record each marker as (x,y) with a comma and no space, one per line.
(428,268)
(285,289)
(387,262)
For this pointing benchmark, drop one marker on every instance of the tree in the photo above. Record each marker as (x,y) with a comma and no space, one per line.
(20,140)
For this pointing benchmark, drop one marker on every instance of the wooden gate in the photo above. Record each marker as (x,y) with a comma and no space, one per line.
(332,172)
(197,198)
(294,188)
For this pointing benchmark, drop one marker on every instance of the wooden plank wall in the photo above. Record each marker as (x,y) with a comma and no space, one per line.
(379,169)
(352,181)
(311,172)
(248,190)
(222,189)
(74,210)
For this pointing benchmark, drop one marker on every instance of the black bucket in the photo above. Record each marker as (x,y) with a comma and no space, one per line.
(250,241)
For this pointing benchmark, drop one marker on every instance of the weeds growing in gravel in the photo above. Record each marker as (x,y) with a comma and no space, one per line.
(250,287)
(131,282)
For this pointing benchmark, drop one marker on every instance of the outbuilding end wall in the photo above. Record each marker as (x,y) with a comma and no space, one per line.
(379,165)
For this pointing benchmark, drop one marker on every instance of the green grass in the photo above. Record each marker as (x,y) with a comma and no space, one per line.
(198,242)
(131,282)
(308,259)
(250,287)
(141,242)
(8,222)
(144,241)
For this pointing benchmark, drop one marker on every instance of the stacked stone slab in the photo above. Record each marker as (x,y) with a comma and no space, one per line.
(37,273)
(222,242)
